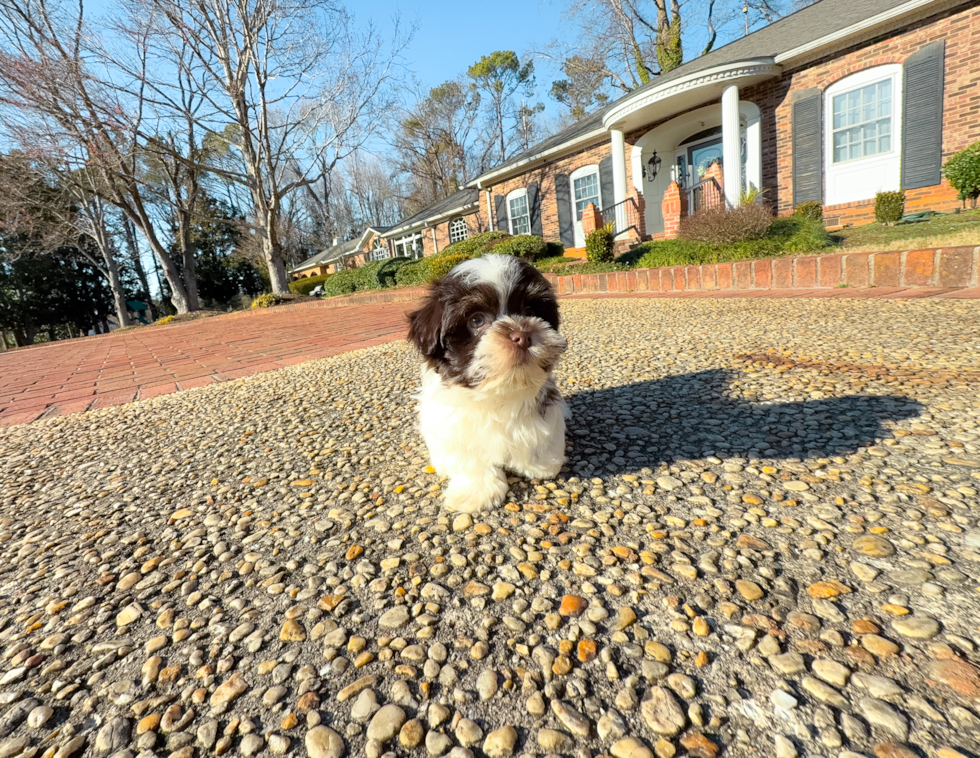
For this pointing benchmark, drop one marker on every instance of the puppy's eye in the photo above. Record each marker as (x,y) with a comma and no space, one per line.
(478,321)
(528,310)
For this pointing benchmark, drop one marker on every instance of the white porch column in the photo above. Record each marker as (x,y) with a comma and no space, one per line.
(731,142)
(619,177)
(618,165)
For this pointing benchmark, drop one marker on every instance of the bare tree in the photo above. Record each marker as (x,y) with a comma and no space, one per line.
(61,113)
(630,42)
(301,87)
(62,212)
(436,142)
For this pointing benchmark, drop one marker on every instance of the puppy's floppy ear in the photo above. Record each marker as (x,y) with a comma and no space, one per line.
(425,326)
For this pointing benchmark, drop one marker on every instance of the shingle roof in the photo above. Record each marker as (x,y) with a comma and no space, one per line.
(795,30)
(458,199)
(328,255)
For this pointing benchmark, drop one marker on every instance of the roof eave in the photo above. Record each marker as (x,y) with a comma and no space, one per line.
(422,224)
(863,26)
(499,175)
(750,69)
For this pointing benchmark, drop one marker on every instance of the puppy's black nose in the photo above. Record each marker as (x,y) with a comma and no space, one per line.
(521,339)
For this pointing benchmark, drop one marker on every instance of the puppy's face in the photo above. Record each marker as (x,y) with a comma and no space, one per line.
(491,322)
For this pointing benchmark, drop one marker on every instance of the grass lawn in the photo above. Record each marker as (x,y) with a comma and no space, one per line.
(947,230)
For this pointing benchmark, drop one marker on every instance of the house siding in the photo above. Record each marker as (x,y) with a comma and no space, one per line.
(545,178)
(961,107)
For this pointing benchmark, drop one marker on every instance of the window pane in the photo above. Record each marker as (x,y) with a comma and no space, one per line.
(861,124)
(520,222)
(586,191)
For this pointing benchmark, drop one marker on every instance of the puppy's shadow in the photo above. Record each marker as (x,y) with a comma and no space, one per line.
(690,416)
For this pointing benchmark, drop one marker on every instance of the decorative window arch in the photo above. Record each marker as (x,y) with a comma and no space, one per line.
(863,134)
(458,230)
(379,251)
(518,212)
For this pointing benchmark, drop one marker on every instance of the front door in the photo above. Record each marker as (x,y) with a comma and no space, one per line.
(585,190)
(700,157)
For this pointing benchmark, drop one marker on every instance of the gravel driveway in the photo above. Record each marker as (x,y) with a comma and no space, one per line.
(765,543)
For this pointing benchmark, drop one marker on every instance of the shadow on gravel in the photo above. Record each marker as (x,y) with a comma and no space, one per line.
(622,429)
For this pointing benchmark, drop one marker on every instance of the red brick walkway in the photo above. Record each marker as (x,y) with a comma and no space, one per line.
(77,375)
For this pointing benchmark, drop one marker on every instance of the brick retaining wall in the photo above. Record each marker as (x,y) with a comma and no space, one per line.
(947,267)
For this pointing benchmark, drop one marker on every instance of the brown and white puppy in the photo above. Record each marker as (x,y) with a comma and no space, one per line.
(488,332)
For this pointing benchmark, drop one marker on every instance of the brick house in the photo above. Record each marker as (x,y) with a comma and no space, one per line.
(370,246)
(433,228)
(830,104)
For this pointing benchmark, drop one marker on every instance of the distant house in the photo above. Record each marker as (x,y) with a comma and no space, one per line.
(430,230)
(829,105)
(351,254)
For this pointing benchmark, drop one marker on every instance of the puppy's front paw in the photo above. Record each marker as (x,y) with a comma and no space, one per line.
(473,495)
(541,472)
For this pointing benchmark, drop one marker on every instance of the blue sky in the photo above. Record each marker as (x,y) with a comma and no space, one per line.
(452,34)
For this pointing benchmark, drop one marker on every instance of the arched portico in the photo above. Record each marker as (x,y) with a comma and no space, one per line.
(683,147)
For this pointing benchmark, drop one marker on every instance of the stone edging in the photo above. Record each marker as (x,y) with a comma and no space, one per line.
(943,267)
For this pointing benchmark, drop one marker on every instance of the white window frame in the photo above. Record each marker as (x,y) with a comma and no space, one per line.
(417,250)
(379,251)
(861,178)
(458,222)
(516,195)
(580,172)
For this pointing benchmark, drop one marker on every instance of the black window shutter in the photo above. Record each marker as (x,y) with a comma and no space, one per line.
(502,219)
(922,117)
(566,223)
(808,147)
(607,189)
(534,207)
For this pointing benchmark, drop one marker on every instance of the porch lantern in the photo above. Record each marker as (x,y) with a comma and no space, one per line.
(652,167)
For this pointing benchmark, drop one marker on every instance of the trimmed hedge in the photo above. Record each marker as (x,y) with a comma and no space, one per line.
(530,247)
(889,207)
(441,266)
(474,246)
(341,283)
(599,245)
(785,235)
(307,285)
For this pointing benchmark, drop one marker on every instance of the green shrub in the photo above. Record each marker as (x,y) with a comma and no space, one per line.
(889,207)
(527,246)
(811,209)
(388,271)
(307,285)
(599,245)
(723,225)
(809,236)
(963,172)
(266,301)
(474,246)
(784,235)
(552,265)
(554,250)
(366,276)
(411,273)
(341,283)
(439,267)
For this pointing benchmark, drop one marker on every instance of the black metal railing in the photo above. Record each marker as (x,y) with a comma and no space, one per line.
(623,216)
(705,194)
